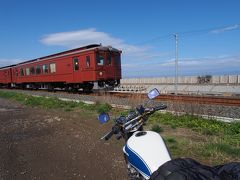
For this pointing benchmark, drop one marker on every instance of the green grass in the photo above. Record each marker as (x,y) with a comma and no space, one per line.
(209,141)
(176,146)
(157,128)
(207,127)
(54,103)
(213,149)
(170,140)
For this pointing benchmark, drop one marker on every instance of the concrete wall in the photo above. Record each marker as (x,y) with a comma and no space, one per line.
(216,79)
(225,79)
(233,79)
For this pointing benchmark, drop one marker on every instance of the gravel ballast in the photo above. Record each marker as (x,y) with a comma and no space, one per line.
(231,113)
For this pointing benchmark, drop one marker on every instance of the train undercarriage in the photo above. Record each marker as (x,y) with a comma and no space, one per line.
(108,83)
(70,87)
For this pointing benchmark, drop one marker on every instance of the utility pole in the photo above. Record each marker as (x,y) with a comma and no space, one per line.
(176,63)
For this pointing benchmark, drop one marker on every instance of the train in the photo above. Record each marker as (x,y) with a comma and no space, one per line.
(76,69)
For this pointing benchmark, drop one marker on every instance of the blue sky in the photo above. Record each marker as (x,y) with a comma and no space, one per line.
(209,32)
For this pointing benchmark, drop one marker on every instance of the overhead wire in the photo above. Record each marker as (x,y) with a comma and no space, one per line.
(192,32)
(212,30)
(153,39)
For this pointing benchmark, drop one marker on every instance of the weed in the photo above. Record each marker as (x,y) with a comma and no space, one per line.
(214,141)
(176,147)
(54,102)
(233,128)
(103,108)
(125,113)
(209,127)
(212,148)
(68,109)
(157,128)
(171,140)
(206,131)
(173,126)
(222,139)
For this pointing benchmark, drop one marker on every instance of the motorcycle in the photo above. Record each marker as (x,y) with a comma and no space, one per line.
(144,151)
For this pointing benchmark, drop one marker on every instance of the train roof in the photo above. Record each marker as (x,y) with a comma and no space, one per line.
(91,46)
(6,67)
(61,53)
(72,50)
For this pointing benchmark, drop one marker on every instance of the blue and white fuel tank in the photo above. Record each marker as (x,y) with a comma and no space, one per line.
(146,151)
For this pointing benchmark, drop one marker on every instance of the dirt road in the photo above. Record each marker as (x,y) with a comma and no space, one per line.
(46,144)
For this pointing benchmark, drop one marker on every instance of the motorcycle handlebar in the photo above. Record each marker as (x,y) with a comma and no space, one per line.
(130,120)
(151,110)
(108,135)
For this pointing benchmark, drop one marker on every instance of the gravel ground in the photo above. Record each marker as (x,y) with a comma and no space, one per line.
(204,109)
(38,143)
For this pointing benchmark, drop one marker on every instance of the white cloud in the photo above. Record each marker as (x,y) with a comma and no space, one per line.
(72,39)
(143,60)
(223,61)
(228,28)
(187,66)
(6,62)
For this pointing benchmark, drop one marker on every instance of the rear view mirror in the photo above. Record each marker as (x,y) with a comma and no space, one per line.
(153,93)
(103,118)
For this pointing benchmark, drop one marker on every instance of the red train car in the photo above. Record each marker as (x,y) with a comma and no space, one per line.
(74,69)
(6,76)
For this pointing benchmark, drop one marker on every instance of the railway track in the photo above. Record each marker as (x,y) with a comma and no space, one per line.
(210,100)
(228,107)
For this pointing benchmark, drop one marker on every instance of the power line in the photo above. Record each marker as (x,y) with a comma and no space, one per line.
(192,32)
(154,39)
(209,30)
(215,30)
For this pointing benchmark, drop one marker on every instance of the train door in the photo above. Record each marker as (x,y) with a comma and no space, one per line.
(100,63)
(109,65)
(77,70)
(5,80)
(113,65)
(14,75)
(10,75)
(117,65)
(88,67)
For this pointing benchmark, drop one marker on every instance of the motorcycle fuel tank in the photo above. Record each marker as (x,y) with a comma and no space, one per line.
(146,151)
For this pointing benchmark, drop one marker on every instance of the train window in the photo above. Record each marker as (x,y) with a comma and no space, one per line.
(100,59)
(76,64)
(109,59)
(38,70)
(53,68)
(45,68)
(27,71)
(22,72)
(32,70)
(88,61)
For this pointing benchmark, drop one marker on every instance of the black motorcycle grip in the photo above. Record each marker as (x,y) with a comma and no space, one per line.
(108,136)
